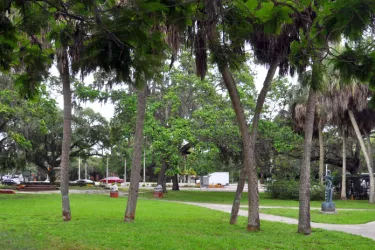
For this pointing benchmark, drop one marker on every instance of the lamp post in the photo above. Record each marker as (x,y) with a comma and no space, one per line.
(144,166)
(79,168)
(86,170)
(144,161)
(125,172)
(107,170)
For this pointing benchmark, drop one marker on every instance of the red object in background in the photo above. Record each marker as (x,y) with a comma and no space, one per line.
(7,191)
(113,194)
(112,180)
(158,194)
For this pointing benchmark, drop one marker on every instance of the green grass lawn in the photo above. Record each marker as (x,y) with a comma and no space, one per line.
(342,217)
(227,198)
(34,222)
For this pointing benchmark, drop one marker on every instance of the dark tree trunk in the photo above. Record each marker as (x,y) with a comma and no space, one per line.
(63,67)
(150,170)
(304,225)
(258,110)
(52,175)
(161,176)
(137,155)
(175,186)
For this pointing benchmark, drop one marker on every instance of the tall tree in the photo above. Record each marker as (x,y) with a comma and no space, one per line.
(261,41)
(63,67)
(137,154)
(225,58)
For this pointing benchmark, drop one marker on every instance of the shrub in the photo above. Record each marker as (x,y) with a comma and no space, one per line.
(317,192)
(289,190)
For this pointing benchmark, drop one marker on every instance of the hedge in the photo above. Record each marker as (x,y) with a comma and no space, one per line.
(289,190)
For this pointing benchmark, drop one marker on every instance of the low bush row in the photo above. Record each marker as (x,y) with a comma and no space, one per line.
(289,190)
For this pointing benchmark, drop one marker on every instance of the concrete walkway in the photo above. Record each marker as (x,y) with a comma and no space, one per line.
(315,208)
(365,230)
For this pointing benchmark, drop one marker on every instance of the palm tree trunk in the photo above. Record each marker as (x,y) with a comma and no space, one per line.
(304,225)
(370,155)
(137,154)
(343,178)
(321,153)
(369,149)
(248,153)
(63,67)
(365,154)
(260,101)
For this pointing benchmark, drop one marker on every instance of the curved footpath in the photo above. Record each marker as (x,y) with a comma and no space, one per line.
(366,230)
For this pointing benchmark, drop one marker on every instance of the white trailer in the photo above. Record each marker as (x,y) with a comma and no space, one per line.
(216,178)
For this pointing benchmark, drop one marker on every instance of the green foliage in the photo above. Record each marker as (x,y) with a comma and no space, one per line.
(20,140)
(289,190)
(349,18)
(273,17)
(283,138)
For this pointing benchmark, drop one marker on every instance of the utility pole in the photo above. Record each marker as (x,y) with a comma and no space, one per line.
(107,170)
(144,166)
(85,170)
(125,172)
(79,168)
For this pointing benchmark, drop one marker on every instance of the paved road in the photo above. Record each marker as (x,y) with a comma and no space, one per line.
(365,230)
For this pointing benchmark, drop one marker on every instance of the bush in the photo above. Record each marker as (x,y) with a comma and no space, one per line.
(4,186)
(289,190)
(317,192)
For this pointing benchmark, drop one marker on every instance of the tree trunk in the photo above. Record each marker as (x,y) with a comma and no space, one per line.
(161,176)
(260,101)
(175,186)
(137,155)
(370,156)
(63,67)
(321,152)
(343,178)
(237,197)
(150,171)
(304,225)
(52,175)
(248,152)
(369,149)
(365,154)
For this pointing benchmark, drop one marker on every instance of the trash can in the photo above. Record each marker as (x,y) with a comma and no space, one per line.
(114,191)
(158,192)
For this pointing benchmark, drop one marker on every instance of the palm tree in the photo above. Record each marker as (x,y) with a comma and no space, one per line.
(304,116)
(348,107)
(63,67)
